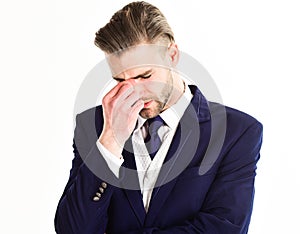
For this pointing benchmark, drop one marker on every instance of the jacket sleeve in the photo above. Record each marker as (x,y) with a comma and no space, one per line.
(228,205)
(77,211)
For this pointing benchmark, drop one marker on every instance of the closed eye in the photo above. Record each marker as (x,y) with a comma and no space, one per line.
(118,79)
(144,77)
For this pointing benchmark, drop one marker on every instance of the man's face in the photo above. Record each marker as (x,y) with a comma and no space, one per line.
(146,68)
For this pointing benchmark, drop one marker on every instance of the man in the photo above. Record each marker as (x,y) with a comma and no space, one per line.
(147,160)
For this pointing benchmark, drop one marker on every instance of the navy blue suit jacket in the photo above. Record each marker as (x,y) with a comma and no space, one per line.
(203,189)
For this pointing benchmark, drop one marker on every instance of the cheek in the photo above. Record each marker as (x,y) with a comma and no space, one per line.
(156,84)
(154,90)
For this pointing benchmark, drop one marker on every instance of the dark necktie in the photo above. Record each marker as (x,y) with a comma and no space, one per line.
(152,140)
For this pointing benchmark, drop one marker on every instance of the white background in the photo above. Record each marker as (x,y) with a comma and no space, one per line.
(250,48)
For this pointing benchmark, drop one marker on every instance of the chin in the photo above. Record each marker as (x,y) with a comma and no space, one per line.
(154,110)
(148,113)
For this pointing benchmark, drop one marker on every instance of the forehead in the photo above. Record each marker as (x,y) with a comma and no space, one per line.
(137,59)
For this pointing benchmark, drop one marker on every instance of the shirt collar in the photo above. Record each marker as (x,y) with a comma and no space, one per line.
(173,114)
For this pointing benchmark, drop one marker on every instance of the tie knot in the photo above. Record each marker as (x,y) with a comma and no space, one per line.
(154,124)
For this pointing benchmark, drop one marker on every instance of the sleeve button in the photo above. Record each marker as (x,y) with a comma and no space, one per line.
(101,190)
(104,185)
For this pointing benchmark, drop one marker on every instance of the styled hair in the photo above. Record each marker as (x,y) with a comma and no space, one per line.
(137,22)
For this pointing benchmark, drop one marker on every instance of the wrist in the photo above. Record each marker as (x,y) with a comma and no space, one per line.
(111,144)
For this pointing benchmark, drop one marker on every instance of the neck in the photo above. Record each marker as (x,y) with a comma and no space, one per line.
(179,87)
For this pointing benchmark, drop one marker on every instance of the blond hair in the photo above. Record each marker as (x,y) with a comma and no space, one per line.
(137,22)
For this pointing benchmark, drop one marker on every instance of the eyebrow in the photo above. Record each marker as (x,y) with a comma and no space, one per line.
(135,77)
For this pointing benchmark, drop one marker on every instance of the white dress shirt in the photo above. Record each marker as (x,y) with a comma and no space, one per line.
(147,169)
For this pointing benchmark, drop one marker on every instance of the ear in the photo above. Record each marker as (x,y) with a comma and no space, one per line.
(173,54)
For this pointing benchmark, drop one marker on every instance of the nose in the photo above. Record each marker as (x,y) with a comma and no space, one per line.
(137,85)
(131,81)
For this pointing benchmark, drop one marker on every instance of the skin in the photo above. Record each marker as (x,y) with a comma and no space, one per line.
(144,90)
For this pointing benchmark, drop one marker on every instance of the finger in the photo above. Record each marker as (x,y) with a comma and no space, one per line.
(131,99)
(119,97)
(137,107)
(124,92)
(115,90)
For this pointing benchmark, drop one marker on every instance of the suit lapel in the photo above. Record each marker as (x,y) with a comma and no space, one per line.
(168,175)
(134,195)
(180,153)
